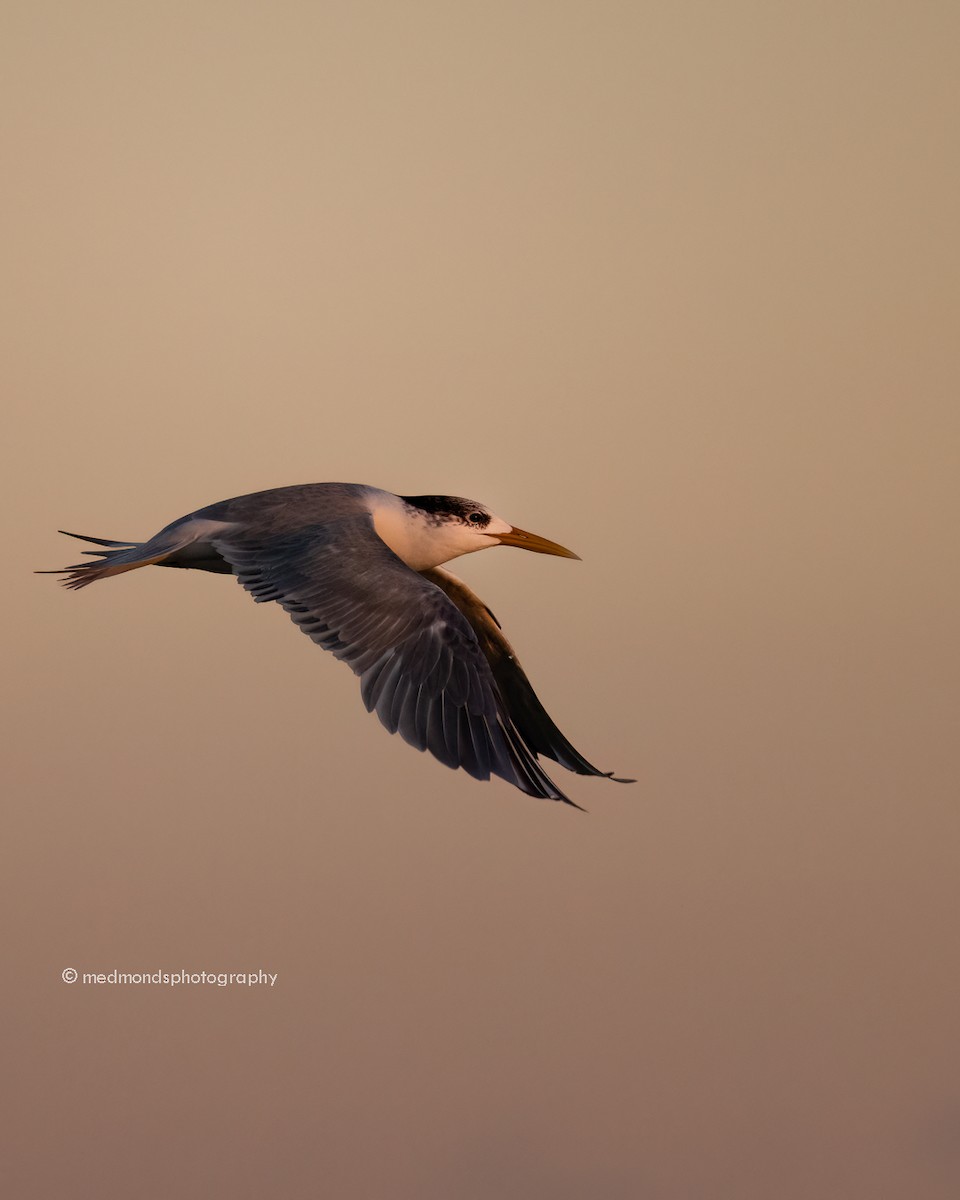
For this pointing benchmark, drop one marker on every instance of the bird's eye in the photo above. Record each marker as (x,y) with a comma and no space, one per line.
(476,518)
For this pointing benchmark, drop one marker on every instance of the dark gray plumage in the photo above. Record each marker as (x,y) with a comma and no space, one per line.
(358,571)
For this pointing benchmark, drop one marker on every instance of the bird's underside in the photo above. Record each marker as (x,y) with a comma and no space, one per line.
(432,660)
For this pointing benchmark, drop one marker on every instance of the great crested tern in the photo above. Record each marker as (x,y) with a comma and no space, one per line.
(359,570)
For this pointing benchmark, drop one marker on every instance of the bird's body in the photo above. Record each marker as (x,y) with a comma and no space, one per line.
(359,570)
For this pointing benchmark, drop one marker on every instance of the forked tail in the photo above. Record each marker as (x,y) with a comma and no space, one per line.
(114,560)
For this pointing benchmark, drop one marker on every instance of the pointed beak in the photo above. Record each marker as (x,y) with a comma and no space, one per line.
(531,541)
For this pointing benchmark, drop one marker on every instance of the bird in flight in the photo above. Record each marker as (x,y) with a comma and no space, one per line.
(359,570)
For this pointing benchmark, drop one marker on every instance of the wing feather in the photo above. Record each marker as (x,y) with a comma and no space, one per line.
(421,665)
(528,718)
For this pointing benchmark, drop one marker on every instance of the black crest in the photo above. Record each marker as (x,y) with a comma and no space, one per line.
(443,507)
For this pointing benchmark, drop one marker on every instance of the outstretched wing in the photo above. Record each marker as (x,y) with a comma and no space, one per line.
(521,702)
(420,664)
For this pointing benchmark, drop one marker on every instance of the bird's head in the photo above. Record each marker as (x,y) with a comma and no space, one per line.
(456,526)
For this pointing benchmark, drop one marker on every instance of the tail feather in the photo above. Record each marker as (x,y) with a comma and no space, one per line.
(82,537)
(123,556)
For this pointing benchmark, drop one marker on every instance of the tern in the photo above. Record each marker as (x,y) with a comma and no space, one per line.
(359,570)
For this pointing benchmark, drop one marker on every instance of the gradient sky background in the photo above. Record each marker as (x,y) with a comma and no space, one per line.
(674,284)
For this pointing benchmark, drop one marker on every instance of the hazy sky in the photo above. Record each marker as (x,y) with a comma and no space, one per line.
(674,284)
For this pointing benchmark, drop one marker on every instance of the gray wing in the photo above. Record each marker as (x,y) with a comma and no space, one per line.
(420,664)
(529,717)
